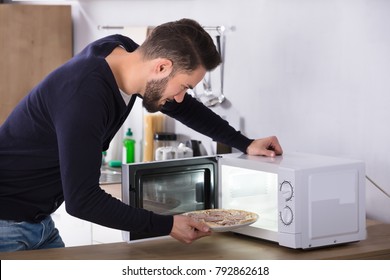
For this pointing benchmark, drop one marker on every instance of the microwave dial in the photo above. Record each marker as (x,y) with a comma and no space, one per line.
(286,190)
(286,216)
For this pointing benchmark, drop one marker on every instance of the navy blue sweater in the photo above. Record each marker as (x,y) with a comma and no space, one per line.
(51,144)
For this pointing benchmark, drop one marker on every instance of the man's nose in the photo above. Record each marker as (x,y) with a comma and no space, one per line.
(179,97)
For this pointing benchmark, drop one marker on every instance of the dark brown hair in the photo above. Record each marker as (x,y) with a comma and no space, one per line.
(185,43)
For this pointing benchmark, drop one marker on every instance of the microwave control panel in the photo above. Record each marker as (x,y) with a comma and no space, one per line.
(286,213)
(286,190)
(286,201)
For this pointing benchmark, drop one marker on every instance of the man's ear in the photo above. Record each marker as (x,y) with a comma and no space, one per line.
(163,67)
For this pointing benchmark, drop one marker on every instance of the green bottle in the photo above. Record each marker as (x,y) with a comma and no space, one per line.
(128,147)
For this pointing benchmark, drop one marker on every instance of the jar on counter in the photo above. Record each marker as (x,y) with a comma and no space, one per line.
(164,139)
(170,152)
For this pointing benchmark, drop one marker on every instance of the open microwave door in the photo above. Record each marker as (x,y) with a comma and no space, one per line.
(170,187)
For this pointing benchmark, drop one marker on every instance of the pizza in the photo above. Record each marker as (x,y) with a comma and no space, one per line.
(223,218)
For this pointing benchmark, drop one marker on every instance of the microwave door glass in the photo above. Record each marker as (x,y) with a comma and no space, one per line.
(251,190)
(174,192)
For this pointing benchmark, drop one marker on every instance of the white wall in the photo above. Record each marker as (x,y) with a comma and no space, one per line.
(312,72)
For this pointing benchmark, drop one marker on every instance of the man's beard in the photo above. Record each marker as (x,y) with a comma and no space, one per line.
(153,93)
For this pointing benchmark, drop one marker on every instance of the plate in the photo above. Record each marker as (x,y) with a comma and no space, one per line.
(221,220)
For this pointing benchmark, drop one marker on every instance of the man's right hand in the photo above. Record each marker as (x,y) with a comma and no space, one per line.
(187,230)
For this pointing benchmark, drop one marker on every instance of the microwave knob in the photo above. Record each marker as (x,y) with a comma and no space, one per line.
(286,190)
(286,216)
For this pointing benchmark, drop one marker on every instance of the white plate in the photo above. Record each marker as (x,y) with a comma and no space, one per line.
(230,228)
(216,228)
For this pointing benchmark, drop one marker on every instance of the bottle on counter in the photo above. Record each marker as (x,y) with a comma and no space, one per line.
(104,154)
(128,147)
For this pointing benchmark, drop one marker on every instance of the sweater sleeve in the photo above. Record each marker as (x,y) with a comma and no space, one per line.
(195,115)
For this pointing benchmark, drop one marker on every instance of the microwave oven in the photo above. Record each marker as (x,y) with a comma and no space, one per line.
(303,200)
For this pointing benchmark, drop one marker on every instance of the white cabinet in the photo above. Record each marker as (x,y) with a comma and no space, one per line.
(74,231)
(77,232)
(102,235)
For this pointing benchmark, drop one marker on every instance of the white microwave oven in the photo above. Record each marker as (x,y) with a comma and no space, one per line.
(303,200)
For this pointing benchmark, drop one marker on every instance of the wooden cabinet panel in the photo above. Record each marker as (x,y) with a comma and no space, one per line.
(34,40)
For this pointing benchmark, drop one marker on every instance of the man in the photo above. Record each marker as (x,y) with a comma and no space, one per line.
(51,144)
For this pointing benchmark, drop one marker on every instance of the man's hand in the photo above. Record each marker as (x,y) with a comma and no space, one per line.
(187,230)
(269,147)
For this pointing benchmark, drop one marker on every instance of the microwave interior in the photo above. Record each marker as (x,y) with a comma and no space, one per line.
(251,190)
(175,192)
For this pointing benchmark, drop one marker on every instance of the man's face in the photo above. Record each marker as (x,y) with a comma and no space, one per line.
(170,88)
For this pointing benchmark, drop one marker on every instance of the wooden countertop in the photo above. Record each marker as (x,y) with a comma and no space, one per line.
(219,246)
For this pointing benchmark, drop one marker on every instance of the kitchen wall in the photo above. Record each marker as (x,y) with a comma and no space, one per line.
(313,72)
